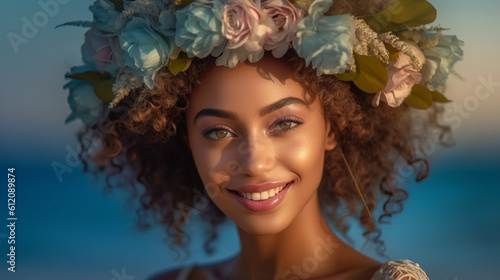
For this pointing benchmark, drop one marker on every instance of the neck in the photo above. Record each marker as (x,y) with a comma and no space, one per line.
(305,249)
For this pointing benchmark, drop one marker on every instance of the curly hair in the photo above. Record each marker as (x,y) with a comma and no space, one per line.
(143,142)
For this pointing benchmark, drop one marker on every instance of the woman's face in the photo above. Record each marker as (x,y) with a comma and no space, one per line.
(258,140)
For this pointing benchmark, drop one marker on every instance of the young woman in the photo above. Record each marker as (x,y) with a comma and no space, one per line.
(261,112)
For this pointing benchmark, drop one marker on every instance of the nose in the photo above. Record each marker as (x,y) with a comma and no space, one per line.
(255,156)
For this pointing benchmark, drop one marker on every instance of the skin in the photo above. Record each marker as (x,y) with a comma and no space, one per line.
(286,143)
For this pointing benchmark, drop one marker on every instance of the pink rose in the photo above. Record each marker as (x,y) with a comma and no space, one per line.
(285,16)
(244,25)
(402,77)
(103,51)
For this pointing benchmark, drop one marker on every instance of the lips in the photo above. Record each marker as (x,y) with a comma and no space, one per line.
(261,197)
(260,192)
(258,188)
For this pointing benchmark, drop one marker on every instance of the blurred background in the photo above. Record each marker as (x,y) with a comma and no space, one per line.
(68,228)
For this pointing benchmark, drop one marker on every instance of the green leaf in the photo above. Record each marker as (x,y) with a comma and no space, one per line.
(393,52)
(101,82)
(90,76)
(372,76)
(382,26)
(79,23)
(104,90)
(183,3)
(420,97)
(414,13)
(303,4)
(438,97)
(347,76)
(181,63)
(402,12)
(118,5)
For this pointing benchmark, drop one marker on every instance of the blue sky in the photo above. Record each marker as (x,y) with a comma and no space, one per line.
(69,229)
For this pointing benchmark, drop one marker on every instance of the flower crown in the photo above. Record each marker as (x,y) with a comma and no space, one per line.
(389,54)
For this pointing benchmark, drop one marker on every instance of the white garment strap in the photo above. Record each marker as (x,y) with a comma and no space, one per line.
(184,273)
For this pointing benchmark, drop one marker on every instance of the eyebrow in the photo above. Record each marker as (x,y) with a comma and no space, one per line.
(216,113)
(264,111)
(280,104)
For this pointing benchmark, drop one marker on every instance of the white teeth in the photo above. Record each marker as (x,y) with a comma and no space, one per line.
(255,196)
(272,192)
(262,195)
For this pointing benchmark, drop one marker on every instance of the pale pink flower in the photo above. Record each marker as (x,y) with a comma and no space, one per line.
(401,78)
(285,16)
(103,51)
(244,25)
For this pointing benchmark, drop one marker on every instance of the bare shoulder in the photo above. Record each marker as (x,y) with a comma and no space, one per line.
(365,272)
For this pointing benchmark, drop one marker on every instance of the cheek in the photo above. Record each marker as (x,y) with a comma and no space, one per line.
(213,164)
(205,163)
(304,155)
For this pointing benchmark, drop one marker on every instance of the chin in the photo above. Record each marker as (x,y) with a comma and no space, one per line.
(263,224)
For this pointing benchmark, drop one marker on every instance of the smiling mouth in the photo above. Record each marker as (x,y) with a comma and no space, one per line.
(263,195)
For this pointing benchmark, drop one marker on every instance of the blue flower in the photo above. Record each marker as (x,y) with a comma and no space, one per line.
(324,40)
(82,99)
(106,17)
(166,20)
(440,60)
(146,51)
(199,28)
